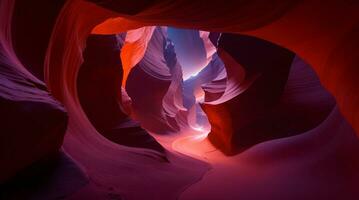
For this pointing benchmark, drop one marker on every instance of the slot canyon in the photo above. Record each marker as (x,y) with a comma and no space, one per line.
(188,100)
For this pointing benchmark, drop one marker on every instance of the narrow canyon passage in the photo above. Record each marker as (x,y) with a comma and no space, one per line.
(184,126)
(179,100)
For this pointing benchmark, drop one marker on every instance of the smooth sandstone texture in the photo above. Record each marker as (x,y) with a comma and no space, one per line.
(33,123)
(322,34)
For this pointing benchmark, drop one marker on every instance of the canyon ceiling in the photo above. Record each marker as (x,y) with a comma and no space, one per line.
(151,99)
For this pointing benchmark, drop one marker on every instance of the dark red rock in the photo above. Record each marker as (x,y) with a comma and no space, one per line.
(240,122)
(99,86)
(33,123)
(31,31)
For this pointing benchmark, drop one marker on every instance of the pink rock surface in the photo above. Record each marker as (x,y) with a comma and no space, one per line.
(285,97)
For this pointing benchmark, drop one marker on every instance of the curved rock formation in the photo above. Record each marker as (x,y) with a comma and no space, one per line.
(33,123)
(285,23)
(244,116)
(267,66)
(98,87)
